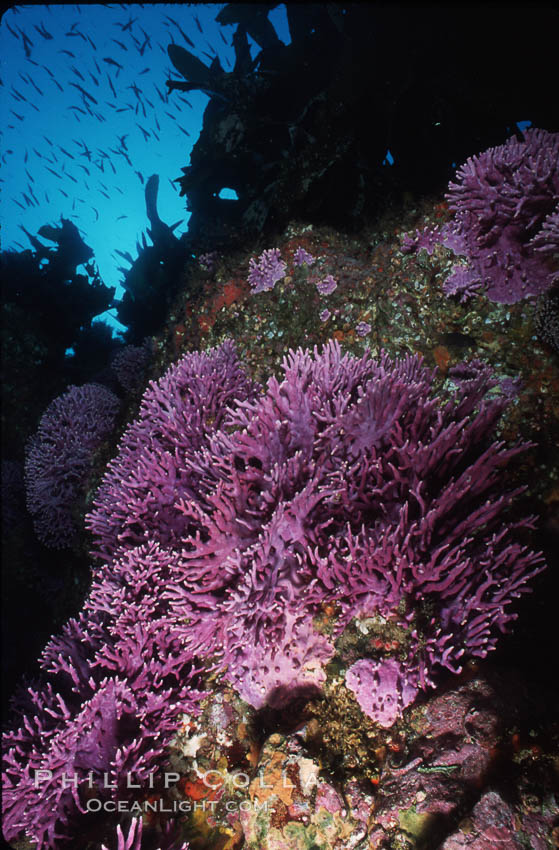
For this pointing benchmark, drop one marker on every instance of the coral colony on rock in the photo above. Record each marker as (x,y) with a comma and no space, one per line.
(60,458)
(130,365)
(230,519)
(506,220)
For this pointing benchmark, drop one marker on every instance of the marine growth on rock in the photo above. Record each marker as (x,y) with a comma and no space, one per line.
(505,202)
(59,458)
(348,481)
(232,518)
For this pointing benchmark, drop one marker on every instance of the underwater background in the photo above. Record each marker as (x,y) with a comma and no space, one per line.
(280,426)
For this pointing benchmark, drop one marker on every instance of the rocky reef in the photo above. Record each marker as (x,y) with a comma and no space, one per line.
(313,525)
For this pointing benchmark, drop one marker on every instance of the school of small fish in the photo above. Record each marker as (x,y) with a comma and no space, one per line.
(86,111)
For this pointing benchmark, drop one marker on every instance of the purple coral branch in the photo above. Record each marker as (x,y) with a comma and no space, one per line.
(265,272)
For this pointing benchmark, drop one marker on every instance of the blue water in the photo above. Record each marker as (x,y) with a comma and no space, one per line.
(86,156)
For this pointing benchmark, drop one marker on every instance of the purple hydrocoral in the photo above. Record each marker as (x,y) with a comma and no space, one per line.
(59,458)
(301,256)
(347,482)
(463,282)
(137,500)
(130,365)
(118,678)
(547,240)
(133,839)
(363,328)
(327,286)
(116,683)
(505,204)
(265,273)
(381,688)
